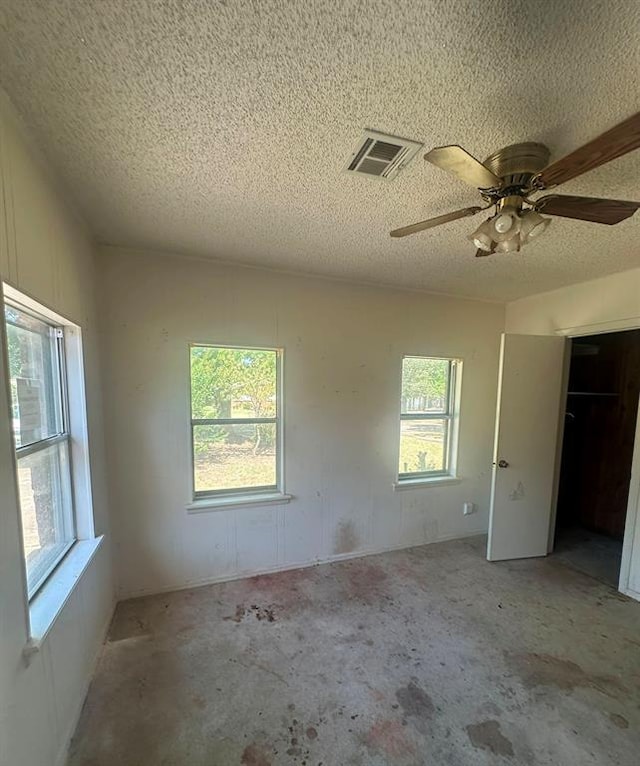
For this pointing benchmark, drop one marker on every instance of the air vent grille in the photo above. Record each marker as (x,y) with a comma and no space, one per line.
(372,167)
(380,155)
(381,150)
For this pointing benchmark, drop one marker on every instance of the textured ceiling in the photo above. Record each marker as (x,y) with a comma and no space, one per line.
(222,128)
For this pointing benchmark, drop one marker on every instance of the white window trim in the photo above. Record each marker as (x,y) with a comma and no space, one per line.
(204,505)
(436,478)
(434,481)
(49,601)
(57,587)
(202,502)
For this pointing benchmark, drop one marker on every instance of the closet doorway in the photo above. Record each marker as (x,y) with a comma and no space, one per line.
(597,452)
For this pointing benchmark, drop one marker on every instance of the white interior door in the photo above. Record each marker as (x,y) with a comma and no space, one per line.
(530,397)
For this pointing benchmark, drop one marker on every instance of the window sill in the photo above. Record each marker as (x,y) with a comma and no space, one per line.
(205,505)
(45,607)
(436,481)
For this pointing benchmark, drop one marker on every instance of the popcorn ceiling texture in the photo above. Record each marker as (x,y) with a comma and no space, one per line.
(221,129)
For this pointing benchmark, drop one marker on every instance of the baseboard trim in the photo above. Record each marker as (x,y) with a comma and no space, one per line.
(63,752)
(305,564)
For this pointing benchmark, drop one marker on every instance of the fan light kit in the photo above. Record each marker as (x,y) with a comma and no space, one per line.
(508,178)
(511,224)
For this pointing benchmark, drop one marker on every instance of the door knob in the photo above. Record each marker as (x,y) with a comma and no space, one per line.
(503,464)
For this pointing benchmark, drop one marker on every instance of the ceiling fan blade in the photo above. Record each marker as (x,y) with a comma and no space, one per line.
(482,253)
(620,140)
(456,160)
(607,211)
(431,222)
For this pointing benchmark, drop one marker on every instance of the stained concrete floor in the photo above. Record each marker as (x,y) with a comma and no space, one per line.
(423,656)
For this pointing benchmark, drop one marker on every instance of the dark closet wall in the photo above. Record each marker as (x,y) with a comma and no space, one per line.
(604,386)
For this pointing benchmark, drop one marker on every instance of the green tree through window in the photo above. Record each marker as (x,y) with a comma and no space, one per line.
(427,411)
(234,410)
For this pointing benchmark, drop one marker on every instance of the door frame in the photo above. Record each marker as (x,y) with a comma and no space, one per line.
(630,546)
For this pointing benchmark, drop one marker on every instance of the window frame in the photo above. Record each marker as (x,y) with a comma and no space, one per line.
(451,415)
(266,490)
(69,519)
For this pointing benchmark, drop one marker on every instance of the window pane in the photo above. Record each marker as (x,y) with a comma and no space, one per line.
(45,504)
(234,456)
(425,385)
(423,445)
(36,401)
(233,383)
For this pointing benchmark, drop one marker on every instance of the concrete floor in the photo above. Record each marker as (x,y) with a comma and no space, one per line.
(423,656)
(589,552)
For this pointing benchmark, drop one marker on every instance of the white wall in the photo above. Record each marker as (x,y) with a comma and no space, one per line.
(45,252)
(602,305)
(611,301)
(342,353)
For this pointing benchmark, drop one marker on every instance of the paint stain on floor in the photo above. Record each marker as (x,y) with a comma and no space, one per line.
(547,670)
(365,581)
(416,704)
(486,735)
(287,590)
(259,612)
(619,720)
(300,738)
(254,755)
(389,737)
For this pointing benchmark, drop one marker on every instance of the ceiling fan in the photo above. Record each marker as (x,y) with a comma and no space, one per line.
(507,178)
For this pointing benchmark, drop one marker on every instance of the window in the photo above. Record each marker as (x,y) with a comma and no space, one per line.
(39,412)
(235,420)
(428,417)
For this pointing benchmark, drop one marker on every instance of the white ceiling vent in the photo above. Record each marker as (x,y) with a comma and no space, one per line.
(381,156)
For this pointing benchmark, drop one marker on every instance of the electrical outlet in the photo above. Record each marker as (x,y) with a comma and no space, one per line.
(468,508)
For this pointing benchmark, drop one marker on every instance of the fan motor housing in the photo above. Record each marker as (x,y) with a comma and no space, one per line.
(517,164)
